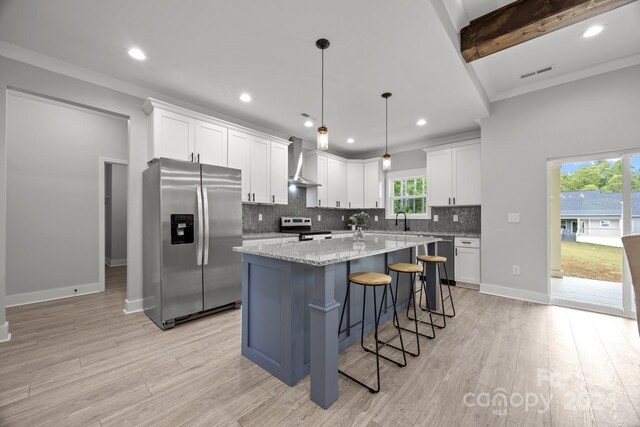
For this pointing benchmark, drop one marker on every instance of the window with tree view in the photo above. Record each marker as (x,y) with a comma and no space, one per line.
(410,195)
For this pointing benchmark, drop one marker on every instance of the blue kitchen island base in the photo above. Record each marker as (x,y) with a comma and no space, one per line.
(291,310)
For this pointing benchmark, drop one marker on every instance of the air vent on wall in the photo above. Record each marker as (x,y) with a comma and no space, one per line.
(535,73)
(305,115)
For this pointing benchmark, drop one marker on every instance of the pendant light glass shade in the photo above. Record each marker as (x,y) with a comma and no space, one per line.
(323,132)
(386,159)
(386,162)
(323,138)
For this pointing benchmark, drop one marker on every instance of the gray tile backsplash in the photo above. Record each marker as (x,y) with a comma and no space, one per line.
(331,219)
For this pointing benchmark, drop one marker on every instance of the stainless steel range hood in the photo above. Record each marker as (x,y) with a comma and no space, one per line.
(296,165)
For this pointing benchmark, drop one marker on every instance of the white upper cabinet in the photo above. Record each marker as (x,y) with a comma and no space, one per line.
(186,135)
(279,171)
(453,176)
(173,135)
(355,185)
(337,183)
(260,170)
(439,178)
(239,153)
(466,176)
(373,184)
(210,143)
(315,169)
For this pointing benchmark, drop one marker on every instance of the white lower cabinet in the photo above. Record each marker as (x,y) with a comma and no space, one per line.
(467,260)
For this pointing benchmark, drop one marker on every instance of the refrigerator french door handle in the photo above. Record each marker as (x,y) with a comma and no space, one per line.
(205,198)
(200,225)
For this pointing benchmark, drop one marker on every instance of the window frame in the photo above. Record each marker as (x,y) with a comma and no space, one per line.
(406,174)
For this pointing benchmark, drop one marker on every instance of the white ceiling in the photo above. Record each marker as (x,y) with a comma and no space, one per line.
(571,55)
(208,52)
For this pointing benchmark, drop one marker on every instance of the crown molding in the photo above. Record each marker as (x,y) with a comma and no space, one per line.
(429,143)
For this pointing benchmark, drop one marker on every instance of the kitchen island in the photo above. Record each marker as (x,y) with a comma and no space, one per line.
(292,293)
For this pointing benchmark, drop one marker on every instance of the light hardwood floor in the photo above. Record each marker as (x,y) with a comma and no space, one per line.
(81,361)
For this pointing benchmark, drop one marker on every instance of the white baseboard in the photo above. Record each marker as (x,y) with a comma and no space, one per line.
(115,262)
(132,306)
(4,332)
(520,294)
(51,294)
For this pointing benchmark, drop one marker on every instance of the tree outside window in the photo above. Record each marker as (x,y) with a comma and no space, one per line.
(410,195)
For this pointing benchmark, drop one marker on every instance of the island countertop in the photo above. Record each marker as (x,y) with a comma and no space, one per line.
(332,251)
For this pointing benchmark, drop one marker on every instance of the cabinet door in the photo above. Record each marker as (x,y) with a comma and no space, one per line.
(174,135)
(279,172)
(239,153)
(439,178)
(467,265)
(355,185)
(373,186)
(466,175)
(323,195)
(260,170)
(211,143)
(336,183)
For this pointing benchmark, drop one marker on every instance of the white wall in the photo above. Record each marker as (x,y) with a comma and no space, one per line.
(52,187)
(597,114)
(408,160)
(116,215)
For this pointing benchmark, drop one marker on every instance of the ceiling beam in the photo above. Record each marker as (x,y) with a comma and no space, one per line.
(524,20)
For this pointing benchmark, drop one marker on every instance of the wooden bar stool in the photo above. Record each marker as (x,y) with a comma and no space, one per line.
(412,269)
(372,280)
(438,261)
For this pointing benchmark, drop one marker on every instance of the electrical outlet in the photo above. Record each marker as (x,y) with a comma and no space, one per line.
(375,218)
(319,217)
(343,217)
(259,217)
(516,270)
(513,217)
(435,218)
(455,218)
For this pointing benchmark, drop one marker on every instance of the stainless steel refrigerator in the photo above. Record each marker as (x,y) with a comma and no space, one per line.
(192,218)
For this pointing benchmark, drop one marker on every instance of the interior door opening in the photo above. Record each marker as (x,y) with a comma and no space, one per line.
(115,226)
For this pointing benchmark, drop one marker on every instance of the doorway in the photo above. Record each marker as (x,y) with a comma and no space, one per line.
(590,209)
(115,226)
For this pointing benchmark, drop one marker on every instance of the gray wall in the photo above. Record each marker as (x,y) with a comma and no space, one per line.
(52,187)
(592,115)
(116,213)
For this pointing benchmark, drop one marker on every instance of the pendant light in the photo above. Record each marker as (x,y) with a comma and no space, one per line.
(386,159)
(323,133)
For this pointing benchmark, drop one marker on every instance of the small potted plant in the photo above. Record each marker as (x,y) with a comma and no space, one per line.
(352,223)
(360,220)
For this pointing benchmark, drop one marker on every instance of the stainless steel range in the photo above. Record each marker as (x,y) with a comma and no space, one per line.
(302,227)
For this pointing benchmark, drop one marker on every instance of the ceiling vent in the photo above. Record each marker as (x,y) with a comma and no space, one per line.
(535,73)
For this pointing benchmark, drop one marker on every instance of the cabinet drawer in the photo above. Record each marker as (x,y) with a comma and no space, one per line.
(467,242)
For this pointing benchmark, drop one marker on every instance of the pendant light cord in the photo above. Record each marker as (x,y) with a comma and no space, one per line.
(322,113)
(386,125)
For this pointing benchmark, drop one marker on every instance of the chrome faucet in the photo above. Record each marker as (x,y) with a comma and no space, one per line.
(405,220)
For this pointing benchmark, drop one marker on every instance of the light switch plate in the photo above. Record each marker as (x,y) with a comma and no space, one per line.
(513,217)
(455,218)
(343,217)
(259,217)
(435,218)
(319,217)
(375,218)
(516,270)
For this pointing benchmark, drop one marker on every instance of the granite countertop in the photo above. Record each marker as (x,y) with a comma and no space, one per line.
(415,233)
(324,252)
(275,235)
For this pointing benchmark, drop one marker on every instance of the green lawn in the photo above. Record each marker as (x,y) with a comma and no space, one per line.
(591,261)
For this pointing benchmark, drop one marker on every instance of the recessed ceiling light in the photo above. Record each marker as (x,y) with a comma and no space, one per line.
(308,123)
(136,53)
(245,97)
(593,31)
(421,122)
(350,141)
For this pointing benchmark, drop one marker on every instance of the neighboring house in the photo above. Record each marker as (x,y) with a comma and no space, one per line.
(596,217)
